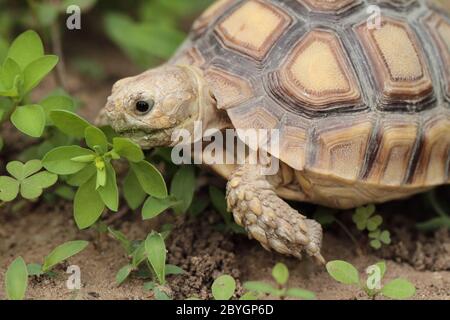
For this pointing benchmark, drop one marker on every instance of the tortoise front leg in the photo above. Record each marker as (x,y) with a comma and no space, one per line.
(267,218)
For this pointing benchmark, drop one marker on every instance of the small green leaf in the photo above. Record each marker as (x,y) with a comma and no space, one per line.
(9,188)
(82,176)
(259,287)
(32,187)
(95,137)
(119,236)
(29,119)
(223,287)
(34,269)
(154,207)
(171,269)
(123,274)
(376,244)
(399,289)
(150,179)
(128,149)
(280,273)
(343,272)
(301,294)
(101,178)
(63,252)
(160,295)
(37,70)
(132,191)
(183,188)
(88,205)
(59,160)
(31,167)
(156,254)
(69,123)
(16,280)
(139,255)
(52,103)
(26,48)
(15,168)
(434,224)
(109,192)
(11,78)
(84,159)
(374,222)
(385,237)
(382,266)
(42,179)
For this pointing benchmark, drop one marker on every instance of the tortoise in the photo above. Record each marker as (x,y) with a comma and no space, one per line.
(362,109)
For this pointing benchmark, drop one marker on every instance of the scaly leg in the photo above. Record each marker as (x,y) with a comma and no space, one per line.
(267,218)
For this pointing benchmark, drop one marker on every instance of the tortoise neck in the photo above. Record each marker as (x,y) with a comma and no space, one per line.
(208,113)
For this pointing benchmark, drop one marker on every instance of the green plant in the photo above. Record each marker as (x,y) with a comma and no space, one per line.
(280,274)
(147,260)
(23,68)
(365,219)
(91,170)
(58,255)
(182,190)
(16,280)
(346,273)
(16,277)
(443,218)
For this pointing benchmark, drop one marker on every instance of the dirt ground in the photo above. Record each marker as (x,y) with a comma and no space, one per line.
(196,245)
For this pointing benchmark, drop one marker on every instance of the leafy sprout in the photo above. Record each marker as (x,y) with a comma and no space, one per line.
(147,259)
(346,273)
(280,274)
(16,277)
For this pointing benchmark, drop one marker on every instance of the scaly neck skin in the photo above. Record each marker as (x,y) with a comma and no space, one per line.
(208,113)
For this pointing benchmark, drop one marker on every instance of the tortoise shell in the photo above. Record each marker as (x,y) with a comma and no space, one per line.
(352,102)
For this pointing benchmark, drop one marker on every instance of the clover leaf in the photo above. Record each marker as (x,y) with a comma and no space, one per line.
(379,237)
(26,180)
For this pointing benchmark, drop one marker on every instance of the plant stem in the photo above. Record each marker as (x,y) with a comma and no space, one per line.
(431,195)
(350,235)
(57,49)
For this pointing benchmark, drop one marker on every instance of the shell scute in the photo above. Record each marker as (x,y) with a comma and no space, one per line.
(253,28)
(318,74)
(397,62)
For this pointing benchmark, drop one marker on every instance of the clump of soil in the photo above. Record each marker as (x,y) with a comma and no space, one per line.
(419,250)
(204,253)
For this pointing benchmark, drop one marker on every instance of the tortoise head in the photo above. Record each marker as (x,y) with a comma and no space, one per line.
(149,107)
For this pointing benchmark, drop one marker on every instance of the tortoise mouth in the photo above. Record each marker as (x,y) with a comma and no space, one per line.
(146,138)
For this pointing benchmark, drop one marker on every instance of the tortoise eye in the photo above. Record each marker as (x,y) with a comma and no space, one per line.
(143,107)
